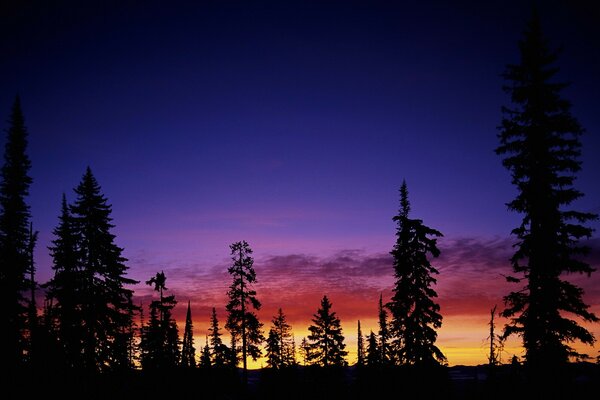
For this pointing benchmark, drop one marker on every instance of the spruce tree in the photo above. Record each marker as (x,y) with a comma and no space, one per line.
(64,290)
(160,341)
(384,346)
(360,347)
(219,351)
(327,340)
(305,351)
(280,341)
(205,361)
(373,352)
(14,238)
(540,145)
(33,347)
(188,352)
(106,306)
(415,315)
(242,322)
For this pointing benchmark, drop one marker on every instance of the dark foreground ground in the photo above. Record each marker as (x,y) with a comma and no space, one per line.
(579,381)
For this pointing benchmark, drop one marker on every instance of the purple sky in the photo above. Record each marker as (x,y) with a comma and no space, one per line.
(290,126)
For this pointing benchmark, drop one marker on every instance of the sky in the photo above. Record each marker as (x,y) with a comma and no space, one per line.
(291,125)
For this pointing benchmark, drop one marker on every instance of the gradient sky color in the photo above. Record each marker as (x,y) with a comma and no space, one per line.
(291,125)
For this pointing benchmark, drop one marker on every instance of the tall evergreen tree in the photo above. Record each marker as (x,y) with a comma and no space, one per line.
(305,351)
(14,238)
(188,352)
(273,347)
(327,340)
(360,347)
(220,352)
(373,352)
(160,339)
(106,305)
(64,290)
(32,312)
(242,322)
(540,143)
(415,315)
(384,346)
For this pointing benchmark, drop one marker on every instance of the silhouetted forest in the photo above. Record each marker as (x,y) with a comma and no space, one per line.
(89,339)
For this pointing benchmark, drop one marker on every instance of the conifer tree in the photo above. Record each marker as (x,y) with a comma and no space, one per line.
(280,341)
(33,347)
(305,351)
(14,238)
(415,315)
(205,361)
(384,346)
(188,352)
(160,341)
(360,347)
(327,340)
(219,355)
(64,290)
(242,322)
(540,143)
(373,351)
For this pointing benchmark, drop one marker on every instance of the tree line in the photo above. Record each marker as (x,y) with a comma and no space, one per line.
(88,320)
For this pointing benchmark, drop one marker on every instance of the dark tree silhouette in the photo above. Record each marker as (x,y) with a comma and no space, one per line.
(280,346)
(188,352)
(415,315)
(384,335)
(373,352)
(539,139)
(305,351)
(360,347)
(94,308)
(64,290)
(33,347)
(160,338)
(327,340)
(205,361)
(220,352)
(14,239)
(242,322)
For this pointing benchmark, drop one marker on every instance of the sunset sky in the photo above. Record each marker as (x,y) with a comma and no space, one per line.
(291,125)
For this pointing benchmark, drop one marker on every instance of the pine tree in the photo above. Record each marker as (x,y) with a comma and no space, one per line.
(14,239)
(160,340)
(373,351)
(415,315)
(327,340)
(32,312)
(64,290)
(243,323)
(220,356)
(106,306)
(205,361)
(540,143)
(280,341)
(188,352)
(305,351)
(383,333)
(360,347)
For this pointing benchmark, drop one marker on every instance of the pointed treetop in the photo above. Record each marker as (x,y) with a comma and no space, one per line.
(404,203)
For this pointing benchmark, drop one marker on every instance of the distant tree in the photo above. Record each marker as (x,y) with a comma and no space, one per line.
(14,239)
(540,142)
(205,360)
(242,322)
(384,335)
(280,347)
(305,351)
(327,340)
(160,339)
(360,347)
(373,352)
(415,315)
(64,290)
(188,352)
(220,352)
